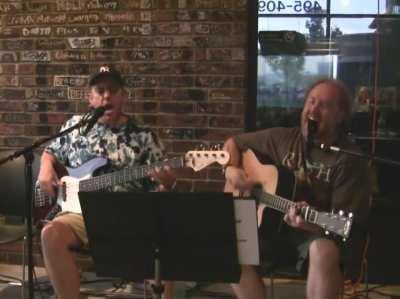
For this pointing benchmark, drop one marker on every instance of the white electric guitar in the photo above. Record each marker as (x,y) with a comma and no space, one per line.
(81,178)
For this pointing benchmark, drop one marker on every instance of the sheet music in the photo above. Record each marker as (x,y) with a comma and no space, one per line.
(247,231)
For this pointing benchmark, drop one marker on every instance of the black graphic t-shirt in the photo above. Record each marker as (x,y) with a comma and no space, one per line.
(337,181)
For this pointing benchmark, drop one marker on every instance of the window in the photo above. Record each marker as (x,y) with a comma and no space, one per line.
(355,41)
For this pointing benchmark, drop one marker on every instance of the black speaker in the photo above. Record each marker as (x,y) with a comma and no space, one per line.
(282,42)
(383,253)
(12,183)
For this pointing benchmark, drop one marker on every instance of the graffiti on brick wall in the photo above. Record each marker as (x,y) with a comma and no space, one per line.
(51,94)
(40,19)
(70,31)
(104,55)
(140,81)
(70,81)
(99,30)
(143,29)
(140,54)
(17,44)
(8,56)
(9,32)
(83,18)
(39,6)
(36,31)
(78,93)
(70,56)
(50,44)
(124,17)
(8,7)
(35,56)
(77,5)
(84,42)
(102,4)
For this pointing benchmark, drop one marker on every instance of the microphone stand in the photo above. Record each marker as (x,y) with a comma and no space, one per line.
(27,152)
(357,154)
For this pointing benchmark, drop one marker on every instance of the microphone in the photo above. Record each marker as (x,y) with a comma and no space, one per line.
(312,129)
(93,117)
(328,148)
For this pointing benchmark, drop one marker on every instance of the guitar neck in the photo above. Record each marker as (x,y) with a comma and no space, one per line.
(126,175)
(283,205)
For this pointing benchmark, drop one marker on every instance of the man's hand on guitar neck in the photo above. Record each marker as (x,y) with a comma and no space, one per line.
(47,177)
(166,177)
(293,218)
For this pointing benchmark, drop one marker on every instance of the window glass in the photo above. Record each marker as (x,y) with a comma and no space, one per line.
(355,42)
(352,25)
(389,7)
(283,77)
(353,52)
(354,7)
(298,24)
(360,47)
(282,82)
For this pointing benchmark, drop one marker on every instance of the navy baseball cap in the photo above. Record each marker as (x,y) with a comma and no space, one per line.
(106,72)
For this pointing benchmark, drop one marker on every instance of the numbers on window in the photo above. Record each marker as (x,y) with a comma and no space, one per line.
(297,6)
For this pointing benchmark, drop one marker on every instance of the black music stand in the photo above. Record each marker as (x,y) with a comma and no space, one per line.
(162,235)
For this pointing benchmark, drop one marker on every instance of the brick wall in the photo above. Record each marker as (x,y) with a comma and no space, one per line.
(184,63)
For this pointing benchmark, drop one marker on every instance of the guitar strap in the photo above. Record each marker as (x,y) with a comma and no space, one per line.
(304,155)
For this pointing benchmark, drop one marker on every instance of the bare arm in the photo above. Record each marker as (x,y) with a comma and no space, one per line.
(233,150)
(48,178)
(237,181)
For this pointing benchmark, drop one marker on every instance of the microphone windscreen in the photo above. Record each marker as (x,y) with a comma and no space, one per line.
(312,127)
(94,115)
(99,111)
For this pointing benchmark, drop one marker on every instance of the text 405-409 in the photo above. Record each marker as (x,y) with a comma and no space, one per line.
(289,6)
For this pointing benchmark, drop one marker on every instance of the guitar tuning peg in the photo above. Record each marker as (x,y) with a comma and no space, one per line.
(351,215)
(326,233)
(341,213)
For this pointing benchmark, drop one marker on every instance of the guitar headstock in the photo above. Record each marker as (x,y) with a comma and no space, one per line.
(201,159)
(337,223)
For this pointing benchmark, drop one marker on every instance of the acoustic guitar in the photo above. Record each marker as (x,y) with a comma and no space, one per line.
(276,185)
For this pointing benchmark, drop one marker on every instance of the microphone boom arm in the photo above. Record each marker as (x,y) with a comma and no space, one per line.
(328,148)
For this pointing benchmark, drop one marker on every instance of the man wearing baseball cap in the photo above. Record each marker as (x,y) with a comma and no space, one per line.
(115,137)
(106,72)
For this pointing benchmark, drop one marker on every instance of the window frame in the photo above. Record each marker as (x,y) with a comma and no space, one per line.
(253,17)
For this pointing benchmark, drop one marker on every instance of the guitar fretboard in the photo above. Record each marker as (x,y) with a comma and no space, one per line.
(126,175)
(41,198)
(111,179)
(283,205)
